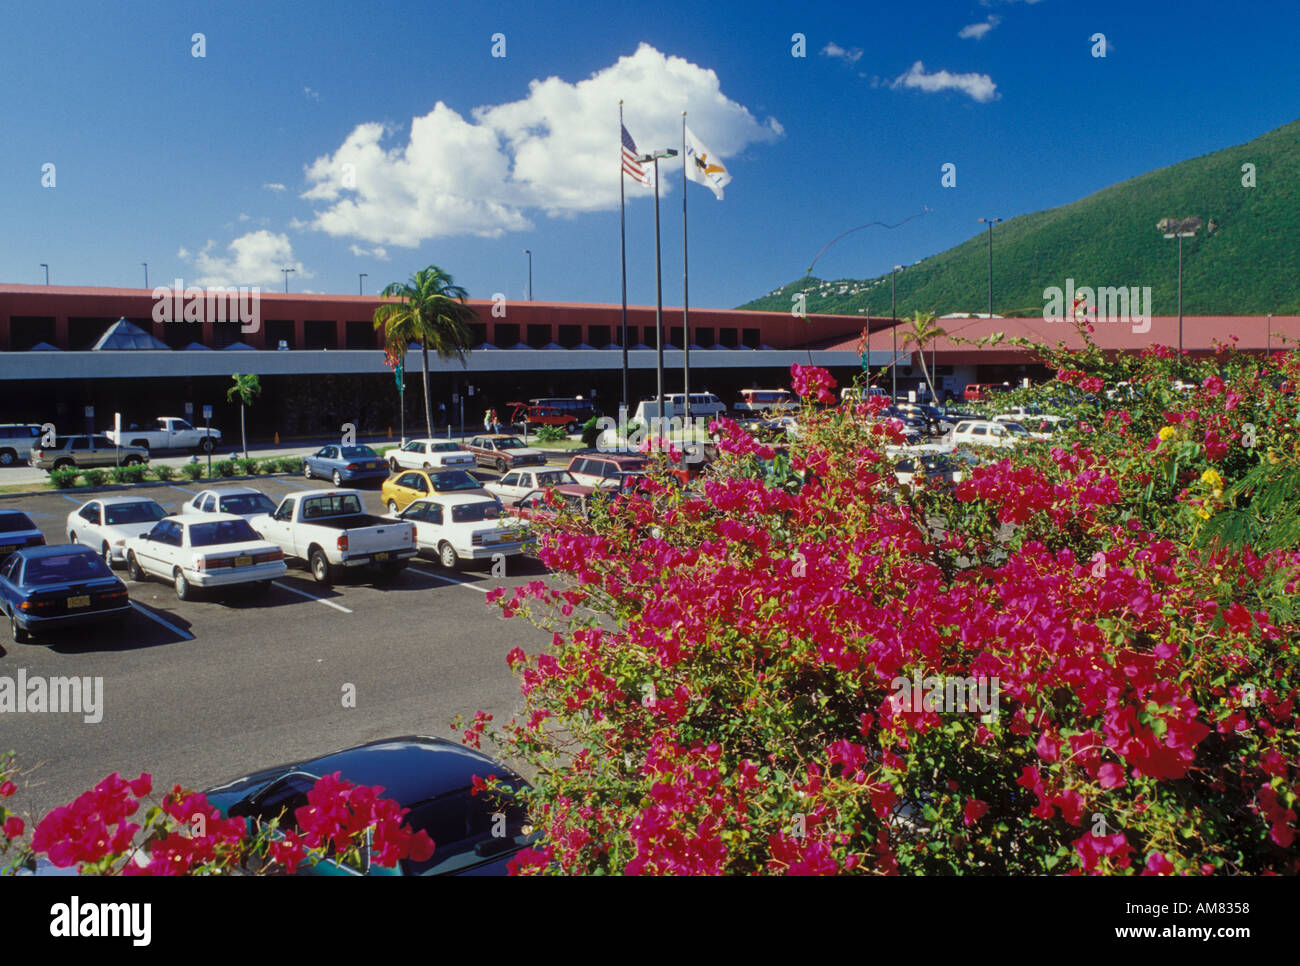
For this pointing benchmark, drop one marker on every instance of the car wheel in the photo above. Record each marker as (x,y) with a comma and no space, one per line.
(133,461)
(133,568)
(447,555)
(183,589)
(107,551)
(426,466)
(8,457)
(322,570)
(306,470)
(571,428)
(64,464)
(392,465)
(392,506)
(501,465)
(72,536)
(207,445)
(338,478)
(19,635)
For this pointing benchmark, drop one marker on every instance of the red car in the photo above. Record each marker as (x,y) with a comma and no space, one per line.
(528,414)
(536,507)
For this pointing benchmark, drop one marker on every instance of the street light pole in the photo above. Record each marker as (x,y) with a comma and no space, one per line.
(893,313)
(529,253)
(286,277)
(1180,235)
(146,274)
(990,222)
(659,289)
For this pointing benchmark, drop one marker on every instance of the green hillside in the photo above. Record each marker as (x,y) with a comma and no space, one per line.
(1248,264)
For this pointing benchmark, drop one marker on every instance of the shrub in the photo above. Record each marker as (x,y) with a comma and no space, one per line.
(127,474)
(94,477)
(247,467)
(164,472)
(591,432)
(551,434)
(223,468)
(64,479)
(191,471)
(290,464)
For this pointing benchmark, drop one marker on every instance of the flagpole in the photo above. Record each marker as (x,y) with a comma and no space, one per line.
(686,298)
(622,231)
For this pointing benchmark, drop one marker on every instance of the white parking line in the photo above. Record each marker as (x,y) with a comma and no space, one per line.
(185,488)
(167,624)
(301,486)
(450,580)
(71,499)
(319,600)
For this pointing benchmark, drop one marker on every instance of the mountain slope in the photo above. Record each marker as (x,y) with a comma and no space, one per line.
(1249,264)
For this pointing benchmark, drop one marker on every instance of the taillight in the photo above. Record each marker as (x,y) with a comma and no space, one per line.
(413,531)
(269,556)
(353,466)
(198,564)
(343,541)
(477,540)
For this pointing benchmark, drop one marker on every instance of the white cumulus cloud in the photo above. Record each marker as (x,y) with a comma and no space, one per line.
(555,150)
(978,30)
(252,259)
(850,55)
(378,252)
(979,87)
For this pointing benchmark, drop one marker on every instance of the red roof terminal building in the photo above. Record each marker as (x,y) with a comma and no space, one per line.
(321,361)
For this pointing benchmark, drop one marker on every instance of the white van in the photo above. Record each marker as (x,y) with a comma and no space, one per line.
(702,404)
(754,402)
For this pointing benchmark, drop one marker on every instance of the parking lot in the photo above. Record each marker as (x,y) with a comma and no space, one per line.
(203,690)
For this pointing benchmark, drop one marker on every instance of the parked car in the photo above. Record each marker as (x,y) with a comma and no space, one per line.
(931,466)
(84,452)
(519,483)
(606,469)
(461,526)
(703,404)
(432,777)
(168,432)
(986,432)
(527,417)
(331,531)
(107,523)
(576,407)
(504,452)
(17,531)
(935,420)
(403,487)
(430,454)
(1039,426)
(53,588)
(543,506)
(16,442)
(756,402)
(242,501)
(339,464)
(217,550)
(984,391)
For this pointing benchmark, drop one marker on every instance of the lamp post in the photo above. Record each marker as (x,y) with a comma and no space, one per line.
(146,274)
(361,278)
(659,287)
(529,253)
(990,222)
(47,272)
(1180,235)
(286,277)
(893,313)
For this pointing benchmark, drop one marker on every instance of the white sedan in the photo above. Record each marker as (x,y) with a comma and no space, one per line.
(517,484)
(242,501)
(108,522)
(430,454)
(216,550)
(461,526)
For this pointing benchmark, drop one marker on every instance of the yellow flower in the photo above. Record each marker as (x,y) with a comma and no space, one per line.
(1203,513)
(1212,479)
(1166,432)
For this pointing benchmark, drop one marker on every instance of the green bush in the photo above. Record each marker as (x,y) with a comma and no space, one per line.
(551,434)
(591,432)
(223,468)
(247,467)
(191,471)
(63,479)
(164,472)
(290,464)
(127,474)
(94,477)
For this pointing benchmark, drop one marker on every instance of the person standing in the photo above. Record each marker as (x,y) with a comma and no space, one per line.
(487,420)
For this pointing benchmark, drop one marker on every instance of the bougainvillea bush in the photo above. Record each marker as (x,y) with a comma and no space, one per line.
(752,677)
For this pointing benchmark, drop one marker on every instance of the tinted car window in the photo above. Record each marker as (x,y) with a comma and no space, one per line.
(453,480)
(340,504)
(143,512)
(242,503)
(221,531)
(10,522)
(359,452)
(65,567)
(510,442)
(476,512)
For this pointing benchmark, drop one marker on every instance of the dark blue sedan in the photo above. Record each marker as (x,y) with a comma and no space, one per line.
(51,588)
(17,531)
(345,464)
(433,777)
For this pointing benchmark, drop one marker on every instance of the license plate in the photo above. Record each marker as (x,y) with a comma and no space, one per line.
(381,556)
(83,601)
(371,466)
(243,561)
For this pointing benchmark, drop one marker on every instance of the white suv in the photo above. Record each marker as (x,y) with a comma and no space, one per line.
(986,432)
(16,442)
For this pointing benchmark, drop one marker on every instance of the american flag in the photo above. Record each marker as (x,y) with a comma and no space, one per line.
(631,166)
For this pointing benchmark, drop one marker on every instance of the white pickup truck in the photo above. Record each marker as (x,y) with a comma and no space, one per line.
(331,531)
(170,432)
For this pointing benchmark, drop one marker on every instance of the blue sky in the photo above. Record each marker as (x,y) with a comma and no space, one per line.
(226,167)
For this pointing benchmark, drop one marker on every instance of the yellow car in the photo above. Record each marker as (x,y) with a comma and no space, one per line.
(407,485)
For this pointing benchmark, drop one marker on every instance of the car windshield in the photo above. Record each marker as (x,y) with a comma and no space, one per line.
(445,447)
(65,568)
(555,478)
(510,442)
(453,480)
(476,512)
(1016,428)
(221,531)
(145,512)
(11,522)
(243,504)
(358,452)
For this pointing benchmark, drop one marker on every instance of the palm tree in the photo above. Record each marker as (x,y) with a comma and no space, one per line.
(246,388)
(921,331)
(432,312)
